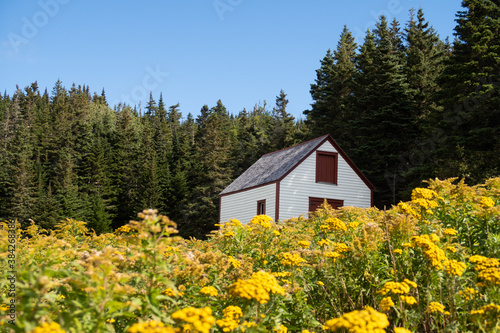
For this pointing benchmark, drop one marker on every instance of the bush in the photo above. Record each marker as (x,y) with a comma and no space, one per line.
(428,265)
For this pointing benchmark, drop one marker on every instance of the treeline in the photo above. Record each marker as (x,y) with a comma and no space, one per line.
(70,155)
(405,106)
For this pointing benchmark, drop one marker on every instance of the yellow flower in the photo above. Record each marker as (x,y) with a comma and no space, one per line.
(395,288)
(353,225)
(486,202)
(435,307)
(398,251)
(151,326)
(483,262)
(324,242)
(335,224)
(423,193)
(321,283)
(386,304)
(454,267)
(200,319)
(229,234)
(234,262)
(258,287)
(304,244)
(48,328)
(262,220)
(450,232)
(487,309)
(281,329)
(291,259)
(408,299)
(431,251)
(110,320)
(276,233)
(172,293)
(232,315)
(360,321)
(468,293)
(401,330)
(452,249)
(491,275)
(211,291)
(410,283)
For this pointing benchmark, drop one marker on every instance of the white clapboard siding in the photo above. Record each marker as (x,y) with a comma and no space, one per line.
(300,184)
(243,205)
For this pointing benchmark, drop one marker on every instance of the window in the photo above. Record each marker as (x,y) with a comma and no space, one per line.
(314,203)
(261,207)
(326,167)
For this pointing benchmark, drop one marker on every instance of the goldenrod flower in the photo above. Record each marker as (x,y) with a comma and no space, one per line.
(335,224)
(234,262)
(367,320)
(304,244)
(450,232)
(262,220)
(486,202)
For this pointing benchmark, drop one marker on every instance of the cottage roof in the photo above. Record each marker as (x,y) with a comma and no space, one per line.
(273,166)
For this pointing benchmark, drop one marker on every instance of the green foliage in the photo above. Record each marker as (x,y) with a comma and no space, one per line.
(70,155)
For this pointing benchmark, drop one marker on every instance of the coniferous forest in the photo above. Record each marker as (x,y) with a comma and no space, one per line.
(403,104)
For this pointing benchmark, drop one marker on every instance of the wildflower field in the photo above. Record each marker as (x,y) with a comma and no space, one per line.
(428,265)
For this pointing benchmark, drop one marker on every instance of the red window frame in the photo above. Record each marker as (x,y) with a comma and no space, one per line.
(261,207)
(326,167)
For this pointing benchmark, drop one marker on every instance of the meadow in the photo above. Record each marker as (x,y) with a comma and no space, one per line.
(427,265)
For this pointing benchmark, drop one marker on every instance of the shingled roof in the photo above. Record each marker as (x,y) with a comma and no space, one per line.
(273,166)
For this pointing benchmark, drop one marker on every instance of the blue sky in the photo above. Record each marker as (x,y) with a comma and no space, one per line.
(193,51)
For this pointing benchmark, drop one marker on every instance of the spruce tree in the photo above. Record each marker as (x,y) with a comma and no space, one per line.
(332,107)
(384,129)
(471,96)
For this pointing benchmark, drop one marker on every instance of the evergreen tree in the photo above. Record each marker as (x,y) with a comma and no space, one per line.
(470,98)
(282,131)
(384,129)
(332,92)
(214,173)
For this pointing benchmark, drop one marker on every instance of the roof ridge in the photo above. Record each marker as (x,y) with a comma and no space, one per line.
(299,144)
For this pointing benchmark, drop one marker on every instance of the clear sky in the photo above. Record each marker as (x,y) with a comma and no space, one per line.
(193,51)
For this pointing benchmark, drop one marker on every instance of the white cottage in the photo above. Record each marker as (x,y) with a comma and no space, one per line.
(294,181)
